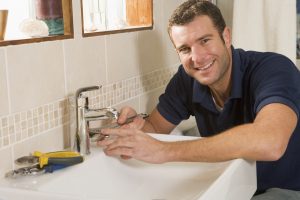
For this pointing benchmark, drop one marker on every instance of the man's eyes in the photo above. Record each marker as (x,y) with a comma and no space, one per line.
(201,42)
(204,41)
(184,50)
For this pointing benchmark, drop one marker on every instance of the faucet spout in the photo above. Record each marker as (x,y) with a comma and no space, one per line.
(82,141)
(101,114)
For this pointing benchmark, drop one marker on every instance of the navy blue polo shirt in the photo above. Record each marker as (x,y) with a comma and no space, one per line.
(258,79)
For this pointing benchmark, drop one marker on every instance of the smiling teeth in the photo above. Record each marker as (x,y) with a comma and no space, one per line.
(206,66)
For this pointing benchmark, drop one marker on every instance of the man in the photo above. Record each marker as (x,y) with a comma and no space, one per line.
(246,105)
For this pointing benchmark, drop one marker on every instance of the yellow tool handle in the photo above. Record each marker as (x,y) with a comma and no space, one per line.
(57,154)
(65,157)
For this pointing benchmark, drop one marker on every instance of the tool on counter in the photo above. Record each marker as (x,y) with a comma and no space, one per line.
(40,163)
(58,157)
(96,134)
(33,170)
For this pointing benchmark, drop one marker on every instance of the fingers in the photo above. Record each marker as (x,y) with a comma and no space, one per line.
(125,113)
(122,151)
(125,157)
(138,123)
(105,142)
(117,131)
(133,143)
(118,146)
(115,136)
(121,142)
(126,142)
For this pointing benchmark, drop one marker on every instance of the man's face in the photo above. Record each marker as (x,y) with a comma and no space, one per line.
(202,51)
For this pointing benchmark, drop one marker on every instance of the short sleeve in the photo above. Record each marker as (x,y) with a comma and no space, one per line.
(175,103)
(277,80)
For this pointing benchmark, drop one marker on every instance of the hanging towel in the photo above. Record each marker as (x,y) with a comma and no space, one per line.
(265,25)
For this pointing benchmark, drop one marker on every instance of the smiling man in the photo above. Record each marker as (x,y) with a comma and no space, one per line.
(246,105)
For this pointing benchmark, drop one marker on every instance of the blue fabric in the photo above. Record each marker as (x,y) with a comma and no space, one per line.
(258,79)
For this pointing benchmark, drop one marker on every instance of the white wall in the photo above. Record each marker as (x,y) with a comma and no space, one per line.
(276,41)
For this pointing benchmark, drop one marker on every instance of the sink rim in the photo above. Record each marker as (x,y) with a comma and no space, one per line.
(229,167)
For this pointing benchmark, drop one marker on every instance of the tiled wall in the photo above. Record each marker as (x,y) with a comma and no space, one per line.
(36,81)
(22,125)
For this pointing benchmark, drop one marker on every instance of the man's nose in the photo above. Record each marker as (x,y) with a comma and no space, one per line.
(198,54)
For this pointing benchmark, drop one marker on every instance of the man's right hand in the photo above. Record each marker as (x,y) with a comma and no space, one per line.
(127,112)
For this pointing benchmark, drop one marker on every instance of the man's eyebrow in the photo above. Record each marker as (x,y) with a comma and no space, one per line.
(205,36)
(200,38)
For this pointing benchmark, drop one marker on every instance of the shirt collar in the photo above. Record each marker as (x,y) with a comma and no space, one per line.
(202,95)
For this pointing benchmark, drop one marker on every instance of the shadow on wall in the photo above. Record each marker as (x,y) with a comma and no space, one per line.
(226,7)
(150,53)
(151,56)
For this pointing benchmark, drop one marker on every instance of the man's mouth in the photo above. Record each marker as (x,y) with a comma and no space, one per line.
(205,67)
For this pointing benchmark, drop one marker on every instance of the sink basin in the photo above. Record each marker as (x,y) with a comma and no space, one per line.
(102,177)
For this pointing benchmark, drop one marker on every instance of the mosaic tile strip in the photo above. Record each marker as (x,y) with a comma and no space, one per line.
(20,126)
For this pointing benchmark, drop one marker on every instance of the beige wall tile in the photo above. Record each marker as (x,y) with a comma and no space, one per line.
(122,56)
(4,106)
(226,7)
(133,103)
(151,44)
(155,49)
(36,74)
(26,147)
(6,161)
(171,57)
(168,7)
(50,141)
(85,62)
(149,100)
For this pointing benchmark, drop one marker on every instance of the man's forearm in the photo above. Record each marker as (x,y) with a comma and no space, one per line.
(156,123)
(148,127)
(222,147)
(265,139)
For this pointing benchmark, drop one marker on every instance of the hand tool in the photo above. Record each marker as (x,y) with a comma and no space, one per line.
(58,158)
(33,170)
(96,134)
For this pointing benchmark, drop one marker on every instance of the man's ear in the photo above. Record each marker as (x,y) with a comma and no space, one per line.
(227,36)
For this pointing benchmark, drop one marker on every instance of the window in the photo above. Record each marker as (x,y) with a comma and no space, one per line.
(20,12)
(28,20)
(113,16)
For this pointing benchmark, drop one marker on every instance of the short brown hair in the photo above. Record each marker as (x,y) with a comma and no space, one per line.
(190,9)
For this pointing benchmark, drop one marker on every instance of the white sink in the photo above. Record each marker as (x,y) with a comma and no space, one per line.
(102,177)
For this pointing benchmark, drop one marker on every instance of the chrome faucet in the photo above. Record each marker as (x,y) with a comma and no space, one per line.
(84,115)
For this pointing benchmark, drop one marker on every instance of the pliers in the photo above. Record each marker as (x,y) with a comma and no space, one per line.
(58,157)
(33,170)
(39,163)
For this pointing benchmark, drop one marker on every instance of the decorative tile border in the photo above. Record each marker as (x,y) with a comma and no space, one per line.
(20,126)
